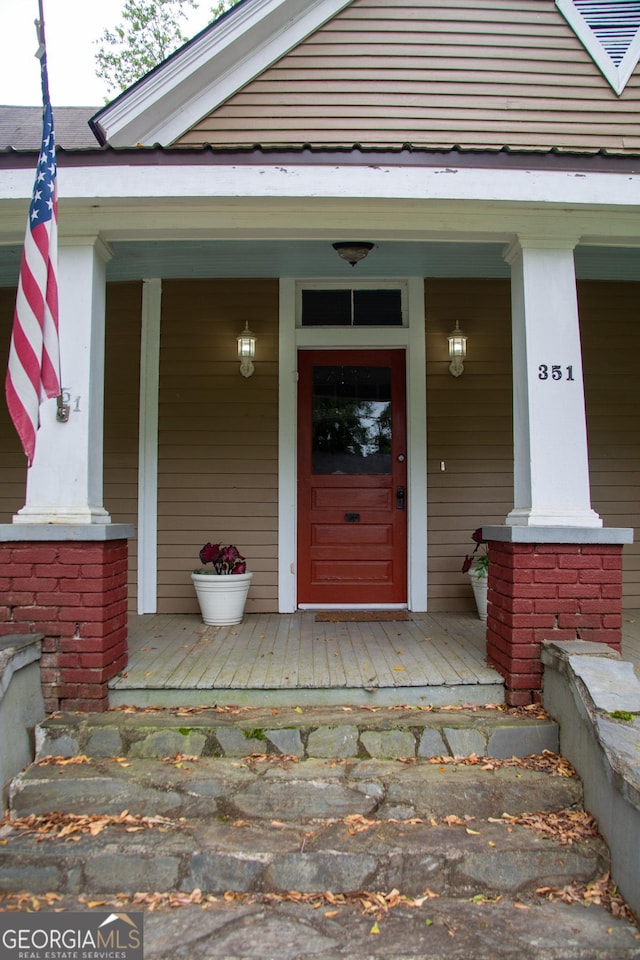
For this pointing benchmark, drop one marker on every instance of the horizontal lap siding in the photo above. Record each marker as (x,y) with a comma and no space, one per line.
(511,72)
(13,463)
(469,429)
(611,359)
(218,450)
(121,413)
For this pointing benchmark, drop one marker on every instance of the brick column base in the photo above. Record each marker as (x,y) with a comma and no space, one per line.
(75,594)
(548,591)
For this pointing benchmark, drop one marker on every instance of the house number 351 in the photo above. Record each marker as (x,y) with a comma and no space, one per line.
(554,372)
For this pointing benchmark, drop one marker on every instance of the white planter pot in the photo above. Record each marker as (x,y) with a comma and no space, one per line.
(480,586)
(222,598)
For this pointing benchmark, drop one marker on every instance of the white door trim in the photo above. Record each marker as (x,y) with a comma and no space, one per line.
(412,338)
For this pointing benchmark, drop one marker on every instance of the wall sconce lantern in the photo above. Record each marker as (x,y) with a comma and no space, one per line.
(457,350)
(246,351)
(353,251)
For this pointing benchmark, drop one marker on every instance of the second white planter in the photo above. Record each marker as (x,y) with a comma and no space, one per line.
(480,586)
(222,597)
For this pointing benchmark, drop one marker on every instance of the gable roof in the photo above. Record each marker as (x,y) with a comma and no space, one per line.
(509,73)
(340,74)
(219,60)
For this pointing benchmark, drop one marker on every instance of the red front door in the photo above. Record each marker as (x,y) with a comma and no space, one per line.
(352,477)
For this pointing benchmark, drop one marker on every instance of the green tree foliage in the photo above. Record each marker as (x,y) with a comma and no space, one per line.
(221,7)
(148,32)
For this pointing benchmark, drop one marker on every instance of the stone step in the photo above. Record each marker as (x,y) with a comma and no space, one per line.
(440,929)
(325,732)
(474,858)
(284,789)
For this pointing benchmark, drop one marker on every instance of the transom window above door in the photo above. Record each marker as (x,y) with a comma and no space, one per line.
(345,306)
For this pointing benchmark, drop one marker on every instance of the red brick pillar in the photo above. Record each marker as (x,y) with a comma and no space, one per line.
(548,591)
(75,594)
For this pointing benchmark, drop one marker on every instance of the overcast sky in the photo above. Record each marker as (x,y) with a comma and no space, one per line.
(71,28)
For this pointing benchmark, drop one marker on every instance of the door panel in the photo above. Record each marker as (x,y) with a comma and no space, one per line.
(352,531)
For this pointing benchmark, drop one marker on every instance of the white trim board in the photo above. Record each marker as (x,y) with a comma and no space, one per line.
(196,185)
(148,447)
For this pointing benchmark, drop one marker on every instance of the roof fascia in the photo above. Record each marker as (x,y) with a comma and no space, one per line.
(207,71)
(617,77)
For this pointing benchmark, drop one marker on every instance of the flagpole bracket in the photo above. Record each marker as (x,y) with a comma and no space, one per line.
(62,412)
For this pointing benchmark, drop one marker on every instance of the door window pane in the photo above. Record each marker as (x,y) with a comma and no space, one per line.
(351,420)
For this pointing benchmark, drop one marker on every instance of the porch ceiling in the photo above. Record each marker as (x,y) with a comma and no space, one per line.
(316,258)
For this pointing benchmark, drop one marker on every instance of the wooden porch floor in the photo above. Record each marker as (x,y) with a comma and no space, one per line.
(290,659)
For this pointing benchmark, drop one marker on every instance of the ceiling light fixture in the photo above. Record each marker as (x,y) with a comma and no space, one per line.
(353,250)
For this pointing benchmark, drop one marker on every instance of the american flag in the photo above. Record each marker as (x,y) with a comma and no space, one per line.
(34,360)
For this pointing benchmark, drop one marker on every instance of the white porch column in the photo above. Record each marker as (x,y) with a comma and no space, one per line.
(551,482)
(64,484)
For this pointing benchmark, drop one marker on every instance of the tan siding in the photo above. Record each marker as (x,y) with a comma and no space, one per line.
(509,72)
(218,449)
(469,428)
(13,463)
(121,413)
(608,316)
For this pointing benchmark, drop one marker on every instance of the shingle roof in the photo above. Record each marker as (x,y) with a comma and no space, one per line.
(21,127)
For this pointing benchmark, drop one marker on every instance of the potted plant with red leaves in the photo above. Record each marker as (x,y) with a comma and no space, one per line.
(476,565)
(222,589)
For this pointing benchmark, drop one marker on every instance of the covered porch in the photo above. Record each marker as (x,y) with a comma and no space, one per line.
(295,659)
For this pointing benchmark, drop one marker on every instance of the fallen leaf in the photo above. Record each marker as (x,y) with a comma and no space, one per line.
(71,826)
(453,821)
(375,928)
(601,891)
(62,761)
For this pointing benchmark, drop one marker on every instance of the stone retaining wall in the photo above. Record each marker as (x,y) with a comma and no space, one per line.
(595,697)
(21,703)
